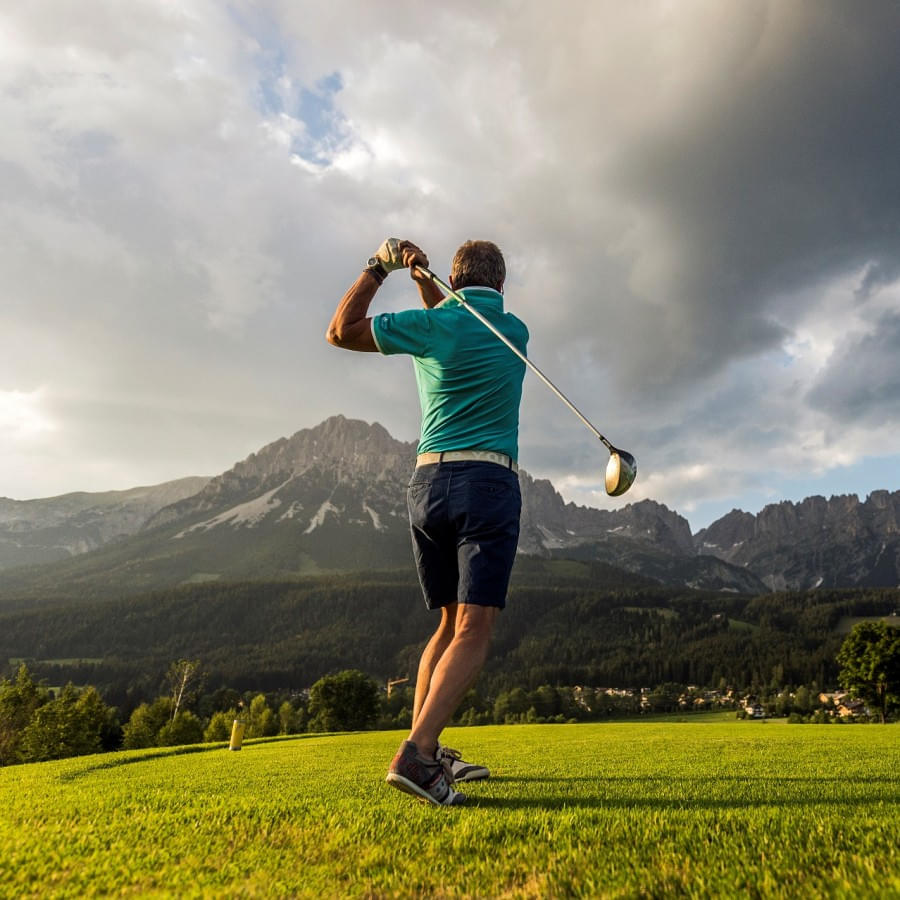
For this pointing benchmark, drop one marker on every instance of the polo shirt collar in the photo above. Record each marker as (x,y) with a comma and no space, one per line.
(485,297)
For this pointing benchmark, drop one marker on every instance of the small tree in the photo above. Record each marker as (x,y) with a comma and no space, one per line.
(73,724)
(290,720)
(347,701)
(100,718)
(803,702)
(142,729)
(184,679)
(870,665)
(18,701)
(185,728)
(219,728)
(261,721)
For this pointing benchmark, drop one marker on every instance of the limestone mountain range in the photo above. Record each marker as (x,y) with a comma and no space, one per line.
(332,498)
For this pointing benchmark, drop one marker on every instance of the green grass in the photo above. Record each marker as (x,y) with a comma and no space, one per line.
(738,625)
(659,610)
(608,810)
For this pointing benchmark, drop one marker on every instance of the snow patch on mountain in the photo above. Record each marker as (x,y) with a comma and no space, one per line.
(244,514)
(319,518)
(549,539)
(376,519)
(292,511)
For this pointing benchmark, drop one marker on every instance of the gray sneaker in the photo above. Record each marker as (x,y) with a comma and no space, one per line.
(423,778)
(461,770)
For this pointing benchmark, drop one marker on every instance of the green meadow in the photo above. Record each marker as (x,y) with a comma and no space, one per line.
(705,808)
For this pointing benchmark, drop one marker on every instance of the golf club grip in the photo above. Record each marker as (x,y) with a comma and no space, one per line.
(497,333)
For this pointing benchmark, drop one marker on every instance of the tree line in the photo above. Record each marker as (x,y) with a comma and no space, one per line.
(37,724)
(558,628)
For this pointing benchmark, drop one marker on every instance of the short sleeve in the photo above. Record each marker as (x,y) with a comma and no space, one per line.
(403,332)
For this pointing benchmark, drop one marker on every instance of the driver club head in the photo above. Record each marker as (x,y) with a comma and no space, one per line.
(621,470)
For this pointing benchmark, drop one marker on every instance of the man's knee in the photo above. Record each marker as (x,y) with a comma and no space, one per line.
(475,622)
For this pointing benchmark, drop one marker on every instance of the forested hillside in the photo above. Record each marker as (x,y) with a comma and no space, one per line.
(566,623)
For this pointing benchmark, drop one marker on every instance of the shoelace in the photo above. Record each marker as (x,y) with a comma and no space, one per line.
(445,757)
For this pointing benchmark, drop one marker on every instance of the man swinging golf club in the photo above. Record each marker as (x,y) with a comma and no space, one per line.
(463,497)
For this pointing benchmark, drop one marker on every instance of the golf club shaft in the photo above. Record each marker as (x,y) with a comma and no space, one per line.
(457,296)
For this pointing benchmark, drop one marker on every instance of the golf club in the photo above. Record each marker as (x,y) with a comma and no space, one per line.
(621,470)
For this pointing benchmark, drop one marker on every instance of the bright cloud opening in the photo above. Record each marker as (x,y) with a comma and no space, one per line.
(21,416)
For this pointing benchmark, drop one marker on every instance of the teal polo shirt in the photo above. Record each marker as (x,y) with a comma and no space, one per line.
(470,383)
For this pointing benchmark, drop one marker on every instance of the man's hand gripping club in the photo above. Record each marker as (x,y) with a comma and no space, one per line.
(351,327)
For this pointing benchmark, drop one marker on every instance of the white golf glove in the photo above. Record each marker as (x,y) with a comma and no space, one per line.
(388,255)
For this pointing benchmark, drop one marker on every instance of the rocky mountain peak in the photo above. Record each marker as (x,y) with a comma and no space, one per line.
(548,522)
(338,450)
(729,531)
(348,443)
(840,541)
(660,524)
(879,499)
(883,508)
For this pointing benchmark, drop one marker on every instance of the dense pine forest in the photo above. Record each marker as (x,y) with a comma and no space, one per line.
(566,623)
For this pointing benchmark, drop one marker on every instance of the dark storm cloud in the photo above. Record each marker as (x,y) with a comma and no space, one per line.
(785,175)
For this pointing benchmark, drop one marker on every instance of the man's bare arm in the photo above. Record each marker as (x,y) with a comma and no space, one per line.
(350,327)
(430,293)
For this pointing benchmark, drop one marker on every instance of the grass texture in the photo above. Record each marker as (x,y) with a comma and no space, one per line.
(647,809)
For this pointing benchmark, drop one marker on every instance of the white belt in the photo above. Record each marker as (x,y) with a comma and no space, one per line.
(501,459)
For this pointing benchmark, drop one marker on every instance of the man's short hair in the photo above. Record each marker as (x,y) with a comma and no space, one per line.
(478,263)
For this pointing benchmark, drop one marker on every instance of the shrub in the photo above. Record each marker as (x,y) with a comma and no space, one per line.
(219,728)
(185,728)
(143,728)
(347,701)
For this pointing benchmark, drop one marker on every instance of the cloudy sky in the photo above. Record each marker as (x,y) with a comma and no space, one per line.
(699,203)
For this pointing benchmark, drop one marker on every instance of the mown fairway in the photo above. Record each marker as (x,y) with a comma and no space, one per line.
(713,808)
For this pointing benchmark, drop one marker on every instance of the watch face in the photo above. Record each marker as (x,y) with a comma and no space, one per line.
(373,261)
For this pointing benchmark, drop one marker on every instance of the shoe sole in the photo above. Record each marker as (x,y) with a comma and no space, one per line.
(410,787)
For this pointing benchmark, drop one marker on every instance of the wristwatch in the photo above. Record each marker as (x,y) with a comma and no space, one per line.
(376,269)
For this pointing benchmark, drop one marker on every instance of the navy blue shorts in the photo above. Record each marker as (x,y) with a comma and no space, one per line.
(464,519)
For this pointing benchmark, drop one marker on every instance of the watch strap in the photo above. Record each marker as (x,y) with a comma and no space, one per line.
(376,269)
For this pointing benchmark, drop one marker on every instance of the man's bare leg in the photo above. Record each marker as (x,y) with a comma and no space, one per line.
(453,675)
(431,655)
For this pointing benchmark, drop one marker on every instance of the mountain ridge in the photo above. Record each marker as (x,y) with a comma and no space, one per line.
(838,542)
(55,528)
(332,498)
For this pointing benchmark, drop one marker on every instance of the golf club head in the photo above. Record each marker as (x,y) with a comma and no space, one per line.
(621,470)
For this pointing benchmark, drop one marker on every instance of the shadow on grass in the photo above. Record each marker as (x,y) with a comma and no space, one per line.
(121,758)
(620,792)
(669,779)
